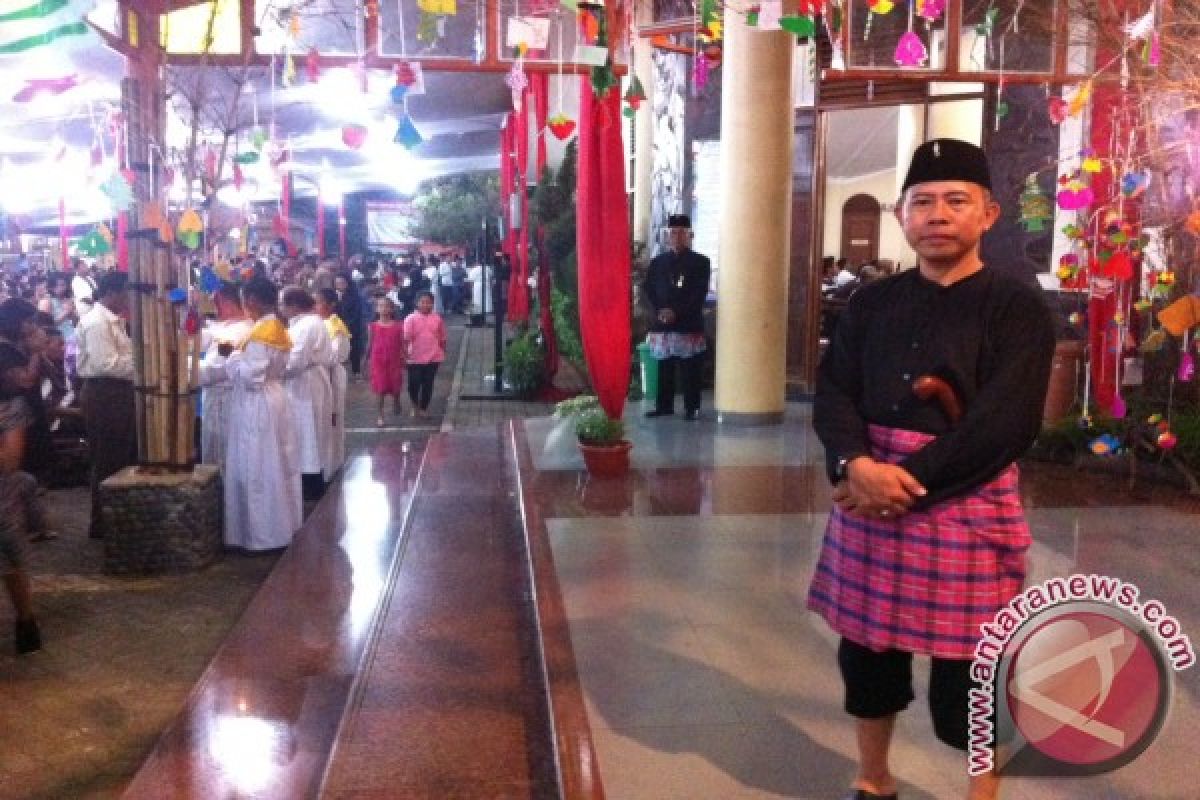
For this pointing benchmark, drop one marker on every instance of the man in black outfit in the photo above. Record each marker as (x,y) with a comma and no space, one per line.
(675,286)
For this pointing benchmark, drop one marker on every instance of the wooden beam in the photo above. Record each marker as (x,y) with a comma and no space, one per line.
(952,76)
(384,62)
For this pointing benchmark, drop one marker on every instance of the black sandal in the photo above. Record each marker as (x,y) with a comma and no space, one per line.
(863,794)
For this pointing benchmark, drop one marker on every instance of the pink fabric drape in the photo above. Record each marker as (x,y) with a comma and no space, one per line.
(602,231)
(506,183)
(518,287)
(540,83)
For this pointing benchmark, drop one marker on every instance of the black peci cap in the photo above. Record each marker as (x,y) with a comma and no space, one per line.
(948,160)
(679,221)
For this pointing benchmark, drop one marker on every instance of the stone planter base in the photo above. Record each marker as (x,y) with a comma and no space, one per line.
(161,522)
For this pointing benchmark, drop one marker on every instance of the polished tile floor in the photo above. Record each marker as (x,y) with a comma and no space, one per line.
(703,675)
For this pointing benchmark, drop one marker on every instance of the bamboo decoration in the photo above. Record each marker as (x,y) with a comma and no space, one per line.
(166,353)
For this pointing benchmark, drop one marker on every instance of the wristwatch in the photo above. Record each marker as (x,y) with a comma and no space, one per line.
(841,468)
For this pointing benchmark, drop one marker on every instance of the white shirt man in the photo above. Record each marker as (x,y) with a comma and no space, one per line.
(310,393)
(214,378)
(105,350)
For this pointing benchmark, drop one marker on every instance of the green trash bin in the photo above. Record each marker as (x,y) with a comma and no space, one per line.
(649,371)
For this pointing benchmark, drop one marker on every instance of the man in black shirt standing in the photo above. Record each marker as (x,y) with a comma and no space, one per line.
(927,539)
(676,285)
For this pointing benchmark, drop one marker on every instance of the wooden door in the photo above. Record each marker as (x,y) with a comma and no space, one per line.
(860,229)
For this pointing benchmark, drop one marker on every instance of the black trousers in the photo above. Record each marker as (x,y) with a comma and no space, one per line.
(880,684)
(357,346)
(420,383)
(689,379)
(108,412)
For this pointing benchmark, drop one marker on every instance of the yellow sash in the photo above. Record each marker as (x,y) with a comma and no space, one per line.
(271,332)
(335,326)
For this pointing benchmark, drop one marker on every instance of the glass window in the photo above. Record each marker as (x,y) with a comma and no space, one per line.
(433,29)
(332,27)
(185,30)
(874,38)
(1008,36)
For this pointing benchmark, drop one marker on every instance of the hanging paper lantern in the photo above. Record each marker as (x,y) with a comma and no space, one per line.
(881,6)
(353,136)
(407,133)
(397,93)
(238,178)
(1036,208)
(178,295)
(700,74)
(1187,367)
(517,82)
(258,138)
(561,126)
(910,51)
(714,54)
(1166,440)
(248,157)
(1075,196)
(1092,165)
(1135,184)
(1142,305)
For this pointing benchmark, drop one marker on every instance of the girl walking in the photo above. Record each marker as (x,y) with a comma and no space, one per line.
(425,335)
(385,354)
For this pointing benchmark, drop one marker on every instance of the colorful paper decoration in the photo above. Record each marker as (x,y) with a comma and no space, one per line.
(209,282)
(910,51)
(1118,266)
(407,133)
(800,27)
(1075,196)
(312,65)
(1036,208)
(1192,223)
(405,74)
(1092,165)
(397,93)
(1058,109)
(881,6)
(1079,99)
(1166,440)
(635,95)
(52,86)
(118,191)
(94,244)
(353,136)
(561,126)
(440,7)
(178,295)
(1105,445)
(1135,184)
(930,10)
(517,82)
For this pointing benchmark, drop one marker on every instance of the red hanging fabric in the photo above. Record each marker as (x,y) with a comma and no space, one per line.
(602,230)
(518,286)
(541,97)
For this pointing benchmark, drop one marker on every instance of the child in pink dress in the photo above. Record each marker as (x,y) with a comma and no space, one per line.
(425,335)
(385,353)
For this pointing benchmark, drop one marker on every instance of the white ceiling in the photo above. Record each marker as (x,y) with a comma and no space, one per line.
(862,141)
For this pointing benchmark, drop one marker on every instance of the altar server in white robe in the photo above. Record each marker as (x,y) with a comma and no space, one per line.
(339,338)
(309,390)
(231,327)
(263,506)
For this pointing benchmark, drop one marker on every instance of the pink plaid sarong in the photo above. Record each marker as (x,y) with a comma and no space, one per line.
(924,582)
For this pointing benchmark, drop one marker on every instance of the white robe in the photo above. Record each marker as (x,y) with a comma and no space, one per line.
(214,378)
(263,506)
(309,391)
(340,350)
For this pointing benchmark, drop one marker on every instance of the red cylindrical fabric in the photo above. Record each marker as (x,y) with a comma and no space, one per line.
(602,228)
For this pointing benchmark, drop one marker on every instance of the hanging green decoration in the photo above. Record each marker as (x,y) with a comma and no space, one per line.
(1036,207)
(94,244)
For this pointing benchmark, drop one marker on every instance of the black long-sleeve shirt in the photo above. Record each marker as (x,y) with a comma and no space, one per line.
(988,336)
(678,281)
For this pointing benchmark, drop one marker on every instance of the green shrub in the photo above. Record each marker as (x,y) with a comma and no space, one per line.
(575,406)
(566,326)
(524,364)
(596,428)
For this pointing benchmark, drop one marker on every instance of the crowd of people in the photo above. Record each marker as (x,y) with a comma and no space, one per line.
(281,344)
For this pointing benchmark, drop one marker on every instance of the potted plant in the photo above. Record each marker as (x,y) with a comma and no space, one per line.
(524,364)
(602,441)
